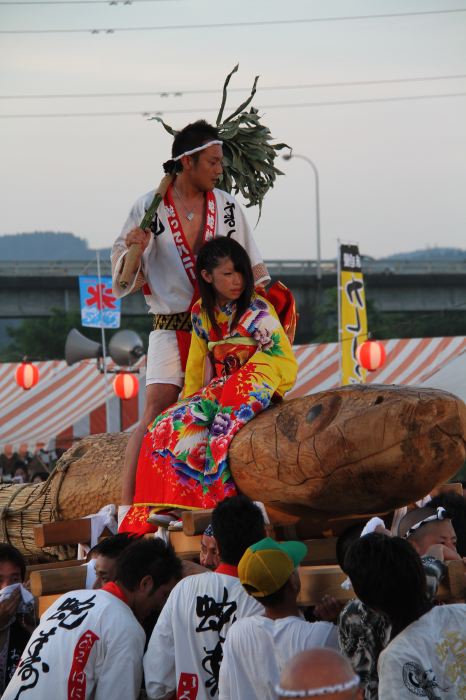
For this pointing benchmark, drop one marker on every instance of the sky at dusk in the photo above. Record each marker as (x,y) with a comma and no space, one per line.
(390,150)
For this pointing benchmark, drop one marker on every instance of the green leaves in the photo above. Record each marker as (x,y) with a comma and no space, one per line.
(168,128)
(249,157)
(248,154)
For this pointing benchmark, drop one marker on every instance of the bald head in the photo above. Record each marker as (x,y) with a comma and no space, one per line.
(316,669)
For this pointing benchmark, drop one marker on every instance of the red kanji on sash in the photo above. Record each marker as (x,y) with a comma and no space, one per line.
(188,686)
(187,257)
(77,677)
(182,246)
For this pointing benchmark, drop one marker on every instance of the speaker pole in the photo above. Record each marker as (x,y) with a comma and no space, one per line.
(104,348)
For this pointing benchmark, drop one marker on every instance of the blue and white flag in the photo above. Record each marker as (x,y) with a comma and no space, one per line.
(99,306)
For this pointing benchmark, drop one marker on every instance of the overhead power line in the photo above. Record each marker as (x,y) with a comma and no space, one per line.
(78,2)
(212,91)
(202,110)
(221,25)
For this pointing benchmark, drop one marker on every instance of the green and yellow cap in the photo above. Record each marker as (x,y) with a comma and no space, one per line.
(267,565)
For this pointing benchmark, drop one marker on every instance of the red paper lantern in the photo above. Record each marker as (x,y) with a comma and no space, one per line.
(371,355)
(125,385)
(26,375)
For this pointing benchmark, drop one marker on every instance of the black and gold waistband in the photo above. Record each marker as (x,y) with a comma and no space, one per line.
(172,322)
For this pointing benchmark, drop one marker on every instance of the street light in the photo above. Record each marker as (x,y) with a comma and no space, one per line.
(289,156)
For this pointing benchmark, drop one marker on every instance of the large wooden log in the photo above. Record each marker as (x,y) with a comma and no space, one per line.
(354,449)
(322,458)
(92,475)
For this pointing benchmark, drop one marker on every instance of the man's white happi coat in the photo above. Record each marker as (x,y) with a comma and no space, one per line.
(257,648)
(88,646)
(185,649)
(169,289)
(427,659)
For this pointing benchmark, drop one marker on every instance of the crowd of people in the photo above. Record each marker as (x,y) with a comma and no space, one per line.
(22,466)
(155,627)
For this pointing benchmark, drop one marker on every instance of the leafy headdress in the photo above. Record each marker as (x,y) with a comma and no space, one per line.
(248,154)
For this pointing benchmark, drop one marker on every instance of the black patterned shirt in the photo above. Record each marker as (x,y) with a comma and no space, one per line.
(364,633)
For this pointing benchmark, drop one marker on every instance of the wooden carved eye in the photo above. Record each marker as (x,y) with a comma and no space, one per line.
(314,413)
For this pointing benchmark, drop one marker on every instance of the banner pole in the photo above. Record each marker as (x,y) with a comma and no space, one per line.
(104,348)
(340,344)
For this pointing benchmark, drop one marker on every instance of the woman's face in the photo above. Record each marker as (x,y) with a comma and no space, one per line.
(228,284)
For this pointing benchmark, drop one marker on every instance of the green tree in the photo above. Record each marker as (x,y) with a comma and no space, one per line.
(384,325)
(44,338)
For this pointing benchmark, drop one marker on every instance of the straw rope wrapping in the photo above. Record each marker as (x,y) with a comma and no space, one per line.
(248,154)
(24,506)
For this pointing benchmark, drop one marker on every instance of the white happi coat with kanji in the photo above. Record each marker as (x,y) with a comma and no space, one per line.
(185,649)
(168,288)
(88,646)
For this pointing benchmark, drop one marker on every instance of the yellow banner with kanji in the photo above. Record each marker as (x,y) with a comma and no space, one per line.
(352,313)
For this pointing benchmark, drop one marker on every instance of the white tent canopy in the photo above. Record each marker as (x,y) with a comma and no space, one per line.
(70,401)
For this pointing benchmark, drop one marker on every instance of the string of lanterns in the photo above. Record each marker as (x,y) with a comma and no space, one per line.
(370,354)
(125,384)
(125,348)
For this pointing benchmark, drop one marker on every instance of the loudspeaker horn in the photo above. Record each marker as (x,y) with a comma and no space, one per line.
(125,348)
(78,347)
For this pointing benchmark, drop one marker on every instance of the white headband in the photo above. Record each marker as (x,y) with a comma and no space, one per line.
(441,514)
(324,690)
(199,148)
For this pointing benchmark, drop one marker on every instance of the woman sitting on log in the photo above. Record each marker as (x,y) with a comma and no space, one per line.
(240,359)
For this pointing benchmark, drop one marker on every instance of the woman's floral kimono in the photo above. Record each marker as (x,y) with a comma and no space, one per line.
(183,461)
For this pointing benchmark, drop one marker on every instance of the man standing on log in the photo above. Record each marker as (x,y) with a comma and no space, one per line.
(192,212)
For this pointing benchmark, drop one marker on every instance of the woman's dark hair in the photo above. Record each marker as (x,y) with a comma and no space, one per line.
(237,524)
(388,576)
(192,136)
(147,558)
(14,556)
(210,256)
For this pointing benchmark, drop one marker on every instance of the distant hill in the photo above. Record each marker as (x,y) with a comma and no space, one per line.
(57,245)
(430,254)
(46,245)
